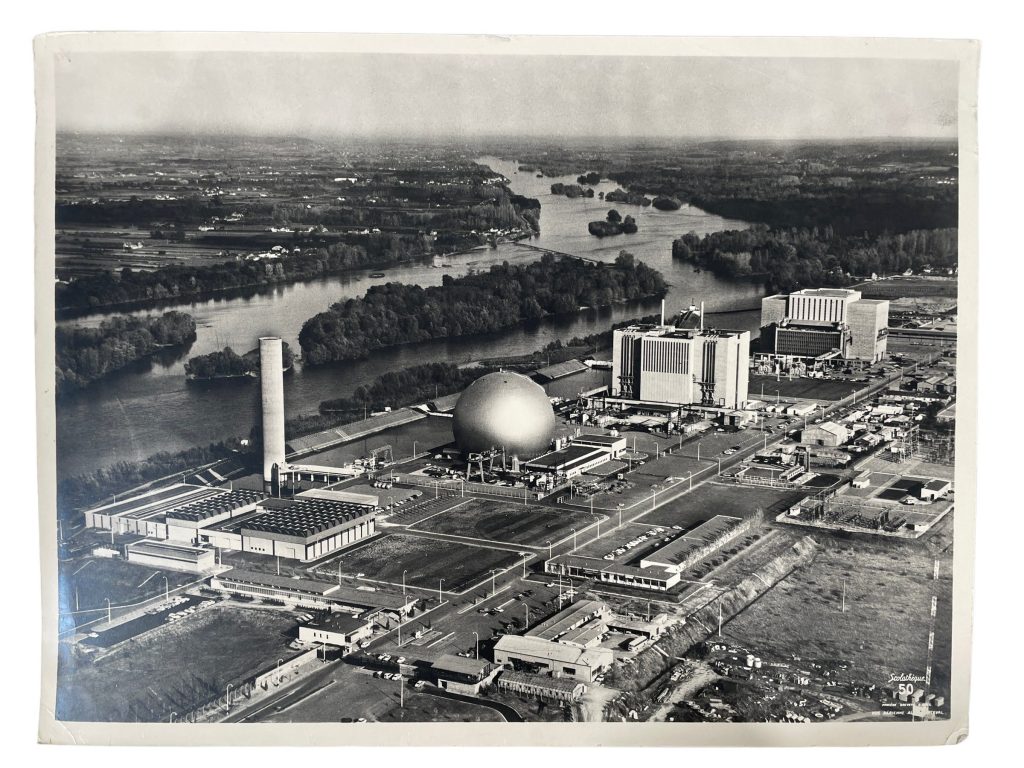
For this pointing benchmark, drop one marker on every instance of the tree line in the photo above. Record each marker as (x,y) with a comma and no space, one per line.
(485,302)
(227,363)
(87,489)
(85,355)
(792,258)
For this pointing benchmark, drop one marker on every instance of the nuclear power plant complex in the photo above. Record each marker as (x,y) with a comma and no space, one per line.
(532,537)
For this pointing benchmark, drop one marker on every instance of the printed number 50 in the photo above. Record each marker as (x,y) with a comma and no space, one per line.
(906,689)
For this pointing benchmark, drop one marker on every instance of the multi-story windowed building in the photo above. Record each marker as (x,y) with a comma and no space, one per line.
(819,323)
(691,366)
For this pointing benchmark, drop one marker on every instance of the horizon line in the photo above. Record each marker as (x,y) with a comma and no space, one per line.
(212,133)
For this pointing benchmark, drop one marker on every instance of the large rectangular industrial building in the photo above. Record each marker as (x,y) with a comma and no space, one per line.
(823,323)
(681,366)
(311,525)
(659,570)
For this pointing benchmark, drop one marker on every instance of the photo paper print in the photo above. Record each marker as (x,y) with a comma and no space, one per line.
(456,390)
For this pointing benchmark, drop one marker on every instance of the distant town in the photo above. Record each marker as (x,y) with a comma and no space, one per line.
(391,435)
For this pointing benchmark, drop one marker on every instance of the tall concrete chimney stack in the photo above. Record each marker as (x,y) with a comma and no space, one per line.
(272,392)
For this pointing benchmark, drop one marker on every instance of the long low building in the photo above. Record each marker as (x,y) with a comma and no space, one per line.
(659,570)
(165,554)
(655,578)
(310,593)
(686,551)
(541,687)
(571,461)
(145,514)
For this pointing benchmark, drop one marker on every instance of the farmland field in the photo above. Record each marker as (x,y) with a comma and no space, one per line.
(89,582)
(506,522)
(174,668)
(425,561)
(884,629)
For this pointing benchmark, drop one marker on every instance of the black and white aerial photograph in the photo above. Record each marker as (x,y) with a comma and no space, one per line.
(510,384)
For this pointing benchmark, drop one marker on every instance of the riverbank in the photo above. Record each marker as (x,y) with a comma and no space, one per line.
(132,415)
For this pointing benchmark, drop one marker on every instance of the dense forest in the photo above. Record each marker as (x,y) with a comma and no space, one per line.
(85,355)
(613,224)
(480,303)
(858,187)
(415,384)
(571,190)
(227,363)
(622,196)
(787,259)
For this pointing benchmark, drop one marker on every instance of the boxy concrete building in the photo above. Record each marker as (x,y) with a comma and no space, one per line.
(665,364)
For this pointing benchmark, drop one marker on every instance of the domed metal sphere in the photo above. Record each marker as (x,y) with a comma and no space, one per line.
(504,411)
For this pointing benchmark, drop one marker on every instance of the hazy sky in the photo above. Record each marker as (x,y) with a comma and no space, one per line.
(458,95)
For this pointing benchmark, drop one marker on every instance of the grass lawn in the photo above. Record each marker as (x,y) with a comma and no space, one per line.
(505,522)
(426,561)
(885,628)
(174,668)
(710,499)
(94,579)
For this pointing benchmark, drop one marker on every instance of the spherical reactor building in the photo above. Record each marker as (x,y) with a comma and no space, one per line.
(505,411)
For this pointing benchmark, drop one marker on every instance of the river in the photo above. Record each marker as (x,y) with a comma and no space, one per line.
(150,407)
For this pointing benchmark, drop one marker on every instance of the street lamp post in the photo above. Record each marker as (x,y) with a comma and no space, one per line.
(493,589)
(620,514)
(403,580)
(227,698)
(440,597)
(527,607)
(476,638)
(573,539)
(167,590)
(548,542)
(109,617)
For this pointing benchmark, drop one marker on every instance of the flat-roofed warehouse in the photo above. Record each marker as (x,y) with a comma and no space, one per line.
(145,514)
(313,524)
(571,461)
(165,554)
(306,529)
(310,593)
(529,653)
